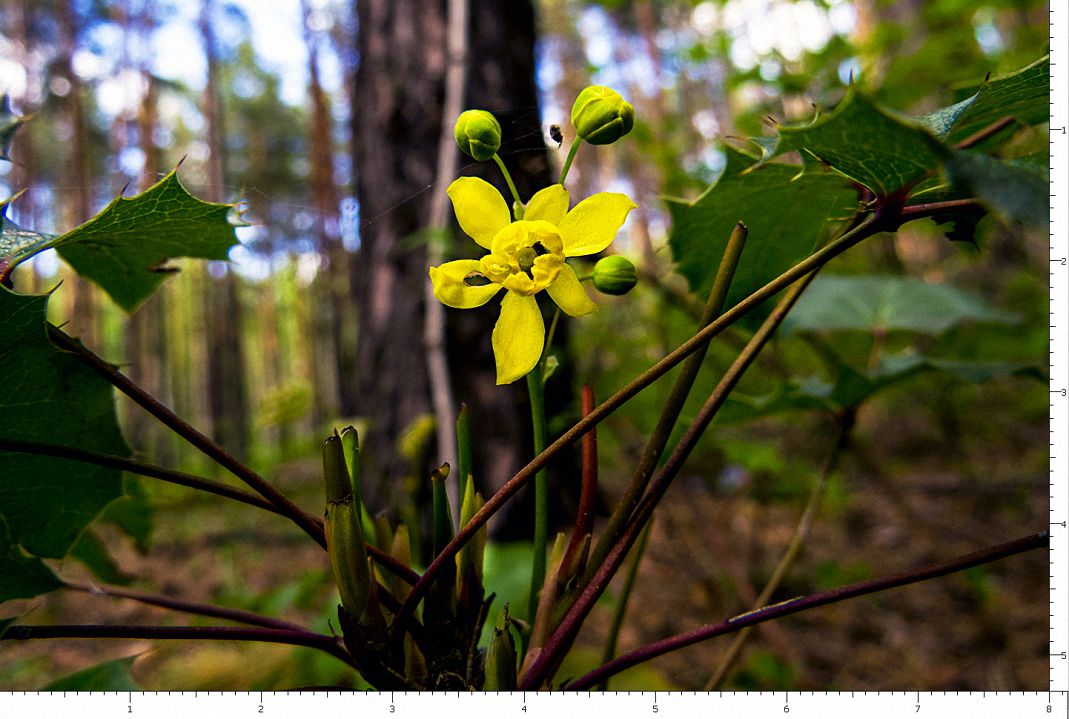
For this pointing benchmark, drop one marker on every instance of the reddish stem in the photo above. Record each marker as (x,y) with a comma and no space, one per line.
(800,604)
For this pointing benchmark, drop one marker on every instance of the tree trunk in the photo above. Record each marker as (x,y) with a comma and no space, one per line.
(79,204)
(331,297)
(227,394)
(396,124)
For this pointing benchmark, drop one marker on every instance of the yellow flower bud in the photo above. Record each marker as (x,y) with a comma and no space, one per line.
(478,133)
(615,275)
(601,116)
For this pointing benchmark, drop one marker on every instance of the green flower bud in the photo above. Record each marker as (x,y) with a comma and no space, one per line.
(500,667)
(601,116)
(478,133)
(615,275)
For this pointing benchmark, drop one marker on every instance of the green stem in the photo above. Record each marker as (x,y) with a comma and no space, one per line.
(508,179)
(549,341)
(463,451)
(536,389)
(445,559)
(625,598)
(568,162)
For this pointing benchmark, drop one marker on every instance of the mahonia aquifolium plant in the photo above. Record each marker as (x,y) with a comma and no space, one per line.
(528,247)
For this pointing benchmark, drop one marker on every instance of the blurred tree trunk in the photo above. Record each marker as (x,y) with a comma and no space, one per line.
(146,348)
(78,206)
(227,394)
(333,359)
(396,125)
(25,167)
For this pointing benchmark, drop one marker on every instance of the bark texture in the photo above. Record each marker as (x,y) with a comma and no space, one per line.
(397,116)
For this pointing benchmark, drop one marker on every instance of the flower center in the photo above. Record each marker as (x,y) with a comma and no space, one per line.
(525,256)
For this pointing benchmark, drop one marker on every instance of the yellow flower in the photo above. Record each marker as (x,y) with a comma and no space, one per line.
(526,257)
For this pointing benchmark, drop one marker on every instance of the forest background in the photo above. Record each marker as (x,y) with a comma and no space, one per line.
(265,102)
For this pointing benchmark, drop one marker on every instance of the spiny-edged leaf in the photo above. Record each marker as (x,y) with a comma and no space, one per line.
(9,125)
(113,676)
(867,143)
(784,212)
(22,576)
(1023,95)
(1015,190)
(872,303)
(92,552)
(50,396)
(16,243)
(125,248)
(942,121)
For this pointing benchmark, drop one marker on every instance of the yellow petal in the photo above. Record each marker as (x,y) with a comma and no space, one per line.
(451,289)
(592,224)
(518,337)
(549,204)
(569,294)
(480,209)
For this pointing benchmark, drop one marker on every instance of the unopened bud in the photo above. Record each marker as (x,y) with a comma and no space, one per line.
(478,133)
(500,667)
(615,275)
(601,116)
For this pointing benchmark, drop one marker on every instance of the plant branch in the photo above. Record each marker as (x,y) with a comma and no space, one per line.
(312,526)
(658,439)
(869,227)
(979,136)
(819,599)
(557,645)
(144,469)
(189,607)
(625,598)
(927,209)
(125,631)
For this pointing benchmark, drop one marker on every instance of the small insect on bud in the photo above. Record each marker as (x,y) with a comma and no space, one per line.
(478,133)
(615,275)
(601,116)
(556,135)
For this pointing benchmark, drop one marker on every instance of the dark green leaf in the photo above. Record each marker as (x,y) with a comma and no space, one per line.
(872,303)
(16,243)
(1023,95)
(942,121)
(125,248)
(50,396)
(91,552)
(867,143)
(784,211)
(21,576)
(113,676)
(1015,190)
